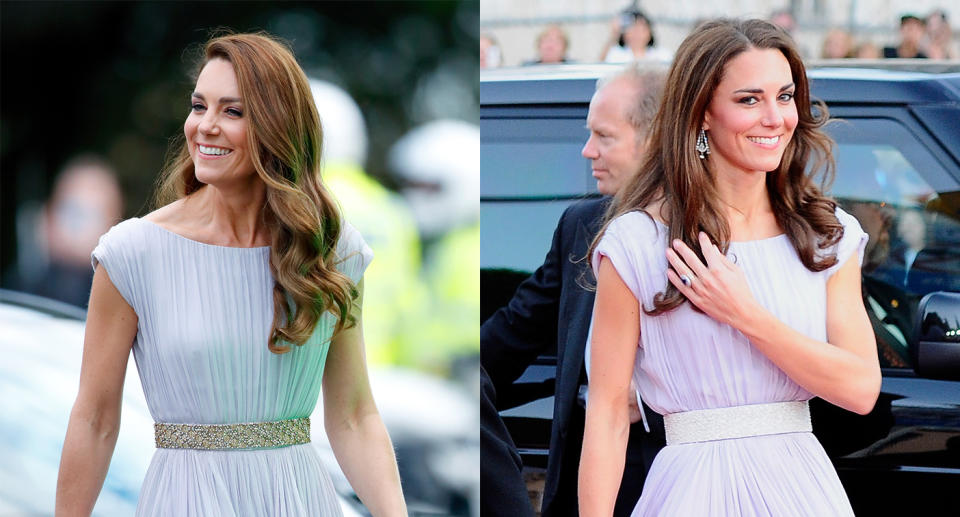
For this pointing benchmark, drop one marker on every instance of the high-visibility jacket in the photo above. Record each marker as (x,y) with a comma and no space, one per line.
(452,271)
(393,289)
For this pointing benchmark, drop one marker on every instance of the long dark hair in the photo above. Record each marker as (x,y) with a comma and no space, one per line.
(672,170)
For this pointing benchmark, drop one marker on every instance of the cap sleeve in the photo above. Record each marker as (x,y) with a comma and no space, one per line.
(854,240)
(626,242)
(116,252)
(353,253)
(631,242)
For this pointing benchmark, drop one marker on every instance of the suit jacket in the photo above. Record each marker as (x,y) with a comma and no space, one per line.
(551,309)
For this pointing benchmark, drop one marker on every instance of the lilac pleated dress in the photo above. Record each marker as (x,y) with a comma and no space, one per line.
(688,361)
(204,314)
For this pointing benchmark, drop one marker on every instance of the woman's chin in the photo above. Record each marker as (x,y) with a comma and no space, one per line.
(204,173)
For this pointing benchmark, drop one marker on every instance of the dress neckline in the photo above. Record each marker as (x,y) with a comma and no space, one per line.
(199,243)
(754,241)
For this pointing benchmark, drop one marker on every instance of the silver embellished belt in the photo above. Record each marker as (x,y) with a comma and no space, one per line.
(706,425)
(257,435)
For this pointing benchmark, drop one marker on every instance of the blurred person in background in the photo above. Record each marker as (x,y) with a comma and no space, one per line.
(631,38)
(867,50)
(240,296)
(912,32)
(882,287)
(428,445)
(490,54)
(394,289)
(911,239)
(837,44)
(882,299)
(784,19)
(551,309)
(438,166)
(55,242)
(940,44)
(552,45)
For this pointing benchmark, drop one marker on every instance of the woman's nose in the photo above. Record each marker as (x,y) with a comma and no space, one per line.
(208,124)
(772,116)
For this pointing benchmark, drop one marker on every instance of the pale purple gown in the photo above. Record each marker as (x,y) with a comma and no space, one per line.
(204,315)
(688,361)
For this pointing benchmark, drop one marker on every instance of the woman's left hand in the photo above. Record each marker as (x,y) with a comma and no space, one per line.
(718,288)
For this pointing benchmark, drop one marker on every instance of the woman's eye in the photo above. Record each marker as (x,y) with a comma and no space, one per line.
(786,97)
(196,107)
(749,101)
(235,112)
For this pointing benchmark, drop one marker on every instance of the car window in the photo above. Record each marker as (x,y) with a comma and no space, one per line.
(516,235)
(885,178)
(533,158)
(532,171)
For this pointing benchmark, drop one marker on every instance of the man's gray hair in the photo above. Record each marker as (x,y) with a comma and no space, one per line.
(648,79)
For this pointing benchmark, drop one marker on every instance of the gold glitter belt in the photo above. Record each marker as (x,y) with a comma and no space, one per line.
(706,425)
(257,435)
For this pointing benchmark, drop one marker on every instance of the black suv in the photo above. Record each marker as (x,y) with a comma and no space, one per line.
(898,172)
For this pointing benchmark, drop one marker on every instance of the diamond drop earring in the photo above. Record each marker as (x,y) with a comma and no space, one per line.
(703,147)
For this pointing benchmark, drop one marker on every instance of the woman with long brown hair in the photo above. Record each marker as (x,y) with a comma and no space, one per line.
(240,296)
(728,289)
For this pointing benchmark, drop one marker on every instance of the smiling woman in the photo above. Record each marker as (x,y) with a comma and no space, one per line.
(752,124)
(240,297)
(216,131)
(238,138)
(728,293)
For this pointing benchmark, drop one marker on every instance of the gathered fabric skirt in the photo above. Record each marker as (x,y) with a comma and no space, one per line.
(782,475)
(288,481)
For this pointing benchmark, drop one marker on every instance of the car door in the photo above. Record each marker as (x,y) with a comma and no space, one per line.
(896,179)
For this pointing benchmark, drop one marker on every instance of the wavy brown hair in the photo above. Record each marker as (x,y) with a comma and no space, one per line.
(285,140)
(672,170)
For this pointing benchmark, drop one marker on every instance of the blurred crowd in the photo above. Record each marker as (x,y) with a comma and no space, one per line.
(921,38)
(632,37)
(422,300)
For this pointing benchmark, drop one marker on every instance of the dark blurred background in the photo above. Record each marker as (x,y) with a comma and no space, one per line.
(113,78)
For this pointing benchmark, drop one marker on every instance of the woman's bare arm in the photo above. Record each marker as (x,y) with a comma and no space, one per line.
(844,370)
(613,350)
(356,432)
(95,420)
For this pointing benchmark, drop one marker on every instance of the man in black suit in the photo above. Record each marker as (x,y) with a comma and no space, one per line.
(551,309)
(504,494)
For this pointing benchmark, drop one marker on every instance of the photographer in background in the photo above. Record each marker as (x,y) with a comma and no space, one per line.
(631,39)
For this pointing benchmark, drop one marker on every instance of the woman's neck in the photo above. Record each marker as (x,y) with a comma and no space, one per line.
(233,214)
(745,196)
